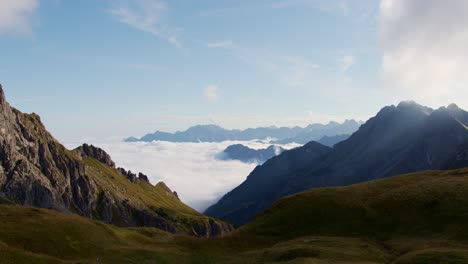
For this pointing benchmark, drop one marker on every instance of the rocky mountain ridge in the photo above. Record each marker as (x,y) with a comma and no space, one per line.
(36,170)
(399,139)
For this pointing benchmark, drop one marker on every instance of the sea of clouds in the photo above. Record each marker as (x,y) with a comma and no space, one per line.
(191,169)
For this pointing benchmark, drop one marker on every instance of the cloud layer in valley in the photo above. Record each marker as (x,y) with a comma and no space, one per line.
(191,169)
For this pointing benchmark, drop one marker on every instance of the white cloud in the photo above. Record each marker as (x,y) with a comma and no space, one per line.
(424,44)
(290,71)
(323,5)
(346,62)
(191,169)
(211,93)
(146,15)
(220,44)
(15,16)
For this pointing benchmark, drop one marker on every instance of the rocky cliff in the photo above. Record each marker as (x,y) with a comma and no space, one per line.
(36,170)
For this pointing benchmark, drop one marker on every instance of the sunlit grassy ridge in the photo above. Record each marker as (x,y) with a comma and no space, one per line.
(410,219)
(142,194)
(157,199)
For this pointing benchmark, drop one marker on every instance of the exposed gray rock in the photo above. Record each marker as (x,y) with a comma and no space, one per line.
(36,170)
(143,177)
(91,151)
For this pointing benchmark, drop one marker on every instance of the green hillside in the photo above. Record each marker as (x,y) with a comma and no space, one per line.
(410,219)
(156,200)
(430,204)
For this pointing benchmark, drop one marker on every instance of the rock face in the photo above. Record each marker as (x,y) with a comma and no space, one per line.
(399,139)
(36,170)
(91,151)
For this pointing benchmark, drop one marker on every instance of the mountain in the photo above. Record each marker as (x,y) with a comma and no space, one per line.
(36,170)
(317,132)
(333,140)
(259,190)
(407,219)
(399,139)
(248,155)
(213,133)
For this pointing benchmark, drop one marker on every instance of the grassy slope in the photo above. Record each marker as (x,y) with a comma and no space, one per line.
(158,198)
(429,204)
(411,219)
(140,194)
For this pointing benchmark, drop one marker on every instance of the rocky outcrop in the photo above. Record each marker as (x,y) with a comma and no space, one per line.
(143,177)
(36,170)
(132,177)
(93,152)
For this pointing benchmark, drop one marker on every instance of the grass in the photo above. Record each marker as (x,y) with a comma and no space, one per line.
(426,205)
(158,199)
(410,219)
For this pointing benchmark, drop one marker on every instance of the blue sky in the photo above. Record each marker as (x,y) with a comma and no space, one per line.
(102,68)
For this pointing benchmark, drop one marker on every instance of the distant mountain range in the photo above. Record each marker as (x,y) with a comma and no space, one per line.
(399,139)
(283,135)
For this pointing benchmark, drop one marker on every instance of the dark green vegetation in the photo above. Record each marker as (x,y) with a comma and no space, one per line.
(399,139)
(409,219)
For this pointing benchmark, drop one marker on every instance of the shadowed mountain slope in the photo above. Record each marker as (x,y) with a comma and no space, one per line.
(399,139)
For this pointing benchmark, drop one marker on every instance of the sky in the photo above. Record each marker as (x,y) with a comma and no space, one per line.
(96,69)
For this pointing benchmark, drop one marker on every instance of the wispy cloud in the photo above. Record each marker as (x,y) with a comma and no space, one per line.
(346,62)
(220,44)
(211,93)
(15,16)
(339,6)
(147,16)
(290,71)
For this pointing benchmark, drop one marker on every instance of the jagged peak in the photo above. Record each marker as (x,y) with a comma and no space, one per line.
(413,106)
(96,153)
(406,107)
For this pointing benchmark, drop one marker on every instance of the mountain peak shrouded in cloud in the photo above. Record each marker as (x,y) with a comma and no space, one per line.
(280,135)
(399,139)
